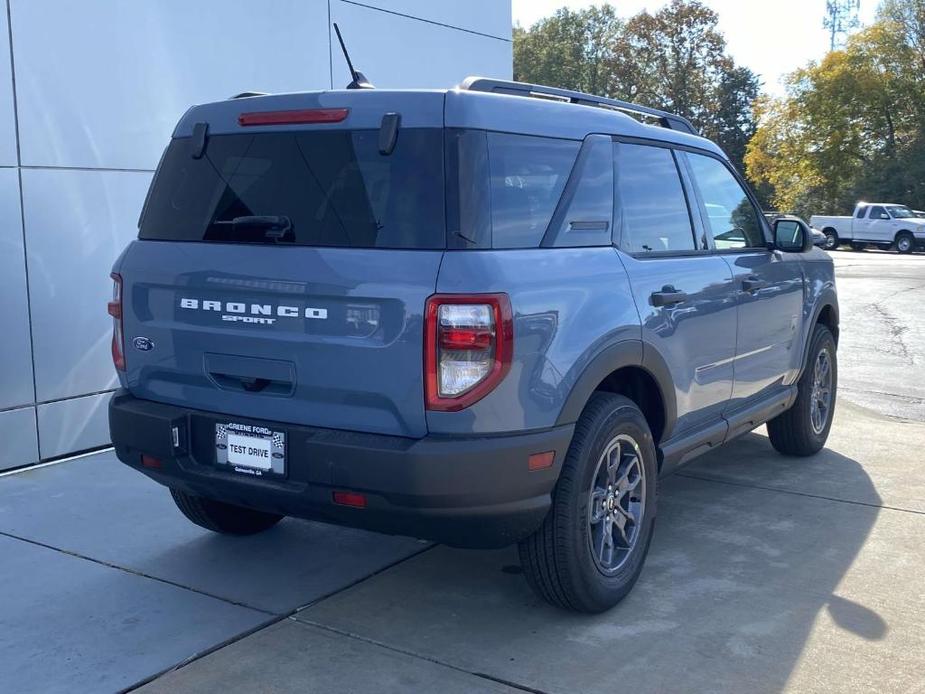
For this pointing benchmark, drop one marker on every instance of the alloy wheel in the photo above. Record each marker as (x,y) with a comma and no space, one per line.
(821,396)
(617,503)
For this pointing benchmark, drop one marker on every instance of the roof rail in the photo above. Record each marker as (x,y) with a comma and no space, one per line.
(494,86)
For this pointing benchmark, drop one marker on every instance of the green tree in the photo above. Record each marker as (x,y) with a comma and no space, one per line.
(674,59)
(852,126)
(570,49)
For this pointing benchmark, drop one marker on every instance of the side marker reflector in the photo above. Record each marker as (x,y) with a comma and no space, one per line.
(354,499)
(150,461)
(541,461)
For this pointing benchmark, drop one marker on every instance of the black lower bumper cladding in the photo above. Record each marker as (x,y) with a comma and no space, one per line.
(473,491)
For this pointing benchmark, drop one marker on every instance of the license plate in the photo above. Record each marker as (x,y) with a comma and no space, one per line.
(250,449)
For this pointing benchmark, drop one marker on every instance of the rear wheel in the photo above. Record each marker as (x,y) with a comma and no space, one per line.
(591,547)
(905,242)
(220,517)
(831,239)
(803,429)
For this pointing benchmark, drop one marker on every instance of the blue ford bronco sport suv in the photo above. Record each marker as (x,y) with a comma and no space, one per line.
(487,315)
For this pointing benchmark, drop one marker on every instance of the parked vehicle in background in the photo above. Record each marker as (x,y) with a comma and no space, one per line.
(416,312)
(919,213)
(819,239)
(884,225)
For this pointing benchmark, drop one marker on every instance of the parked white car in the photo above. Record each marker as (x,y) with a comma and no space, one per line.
(880,224)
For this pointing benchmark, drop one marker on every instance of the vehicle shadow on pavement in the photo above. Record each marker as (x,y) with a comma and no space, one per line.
(741,580)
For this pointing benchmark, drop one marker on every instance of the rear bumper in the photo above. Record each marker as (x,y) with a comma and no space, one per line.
(463,491)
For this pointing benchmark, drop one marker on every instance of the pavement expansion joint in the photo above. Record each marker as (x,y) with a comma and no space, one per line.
(134,572)
(307,623)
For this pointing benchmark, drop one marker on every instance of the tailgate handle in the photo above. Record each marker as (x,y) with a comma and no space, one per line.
(250,374)
(251,384)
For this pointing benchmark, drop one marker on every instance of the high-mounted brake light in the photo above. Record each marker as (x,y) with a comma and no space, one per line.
(114,308)
(468,343)
(294,117)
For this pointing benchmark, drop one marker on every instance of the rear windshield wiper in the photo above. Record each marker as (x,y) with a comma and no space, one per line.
(276,227)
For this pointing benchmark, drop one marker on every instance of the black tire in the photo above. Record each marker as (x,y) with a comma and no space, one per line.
(858,246)
(831,239)
(220,517)
(794,432)
(905,242)
(557,559)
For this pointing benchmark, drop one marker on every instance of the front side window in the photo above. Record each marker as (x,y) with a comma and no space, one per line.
(731,217)
(901,212)
(527,177)
(878,213)
(651,201)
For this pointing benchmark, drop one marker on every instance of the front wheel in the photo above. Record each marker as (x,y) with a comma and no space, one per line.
(220,517)
(803,429)
(905,242)
(591,547)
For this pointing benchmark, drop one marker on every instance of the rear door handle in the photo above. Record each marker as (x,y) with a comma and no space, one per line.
(668,296)
(753,284)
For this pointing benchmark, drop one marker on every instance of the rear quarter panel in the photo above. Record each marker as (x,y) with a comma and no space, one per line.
(568,305)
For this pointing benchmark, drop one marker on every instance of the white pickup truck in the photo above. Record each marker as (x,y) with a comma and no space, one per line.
(880,224)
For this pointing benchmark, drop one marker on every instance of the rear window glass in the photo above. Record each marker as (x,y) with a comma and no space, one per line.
(527,177)
(334,187)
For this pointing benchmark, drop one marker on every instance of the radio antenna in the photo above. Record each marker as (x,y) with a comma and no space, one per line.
(359,79)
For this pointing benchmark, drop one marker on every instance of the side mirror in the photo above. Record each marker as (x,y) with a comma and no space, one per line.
(792,236)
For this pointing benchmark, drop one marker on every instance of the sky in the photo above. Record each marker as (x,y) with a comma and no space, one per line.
(772,38)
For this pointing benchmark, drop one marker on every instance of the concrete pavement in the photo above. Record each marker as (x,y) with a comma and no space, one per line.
(103,584)
(801,580)
(883,331)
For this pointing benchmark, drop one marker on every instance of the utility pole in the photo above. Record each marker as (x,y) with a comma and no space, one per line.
(840,17)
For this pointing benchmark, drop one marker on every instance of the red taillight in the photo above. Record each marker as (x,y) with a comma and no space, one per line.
(465,338)
(294,117)
(468,343)
(354,499)
(115,310)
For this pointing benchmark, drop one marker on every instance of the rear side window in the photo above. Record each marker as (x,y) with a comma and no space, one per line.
(334,186)
(651,201)
(527,177)
(731,216)
(861,210)
(585,213)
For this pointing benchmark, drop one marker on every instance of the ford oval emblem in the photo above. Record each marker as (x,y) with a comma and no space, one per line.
(143,344)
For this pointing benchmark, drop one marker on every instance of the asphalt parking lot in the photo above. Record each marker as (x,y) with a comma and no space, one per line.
(766,573)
